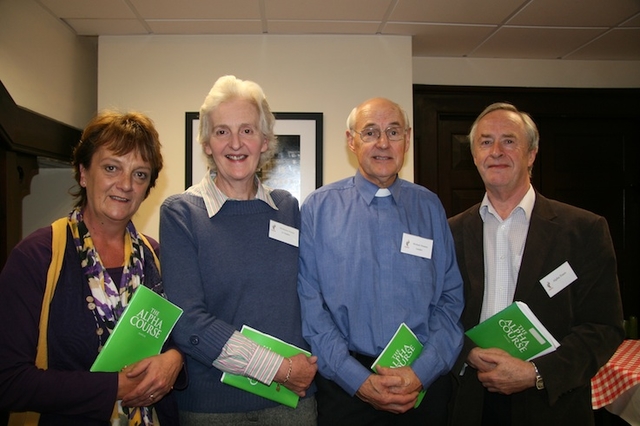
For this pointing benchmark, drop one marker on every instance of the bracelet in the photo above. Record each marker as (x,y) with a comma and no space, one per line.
(286,379)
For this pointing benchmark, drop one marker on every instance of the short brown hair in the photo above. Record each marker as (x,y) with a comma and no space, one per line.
(121,133)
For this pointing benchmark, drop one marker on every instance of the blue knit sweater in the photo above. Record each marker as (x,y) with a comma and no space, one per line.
(225,272)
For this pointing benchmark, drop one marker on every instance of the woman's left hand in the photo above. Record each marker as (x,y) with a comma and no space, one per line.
(155,376)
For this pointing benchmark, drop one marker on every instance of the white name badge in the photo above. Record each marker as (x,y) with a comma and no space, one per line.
(561,277)
(281,232)
(416,246)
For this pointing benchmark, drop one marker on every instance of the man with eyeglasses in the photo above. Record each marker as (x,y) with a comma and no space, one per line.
(376,251)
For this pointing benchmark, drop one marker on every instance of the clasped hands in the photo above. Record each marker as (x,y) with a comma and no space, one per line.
(392,389)
(147,381)
(500,372)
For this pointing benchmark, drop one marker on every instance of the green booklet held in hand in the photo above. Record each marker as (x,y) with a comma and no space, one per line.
(274,392)
(516,330)
(140,332)
(403,348)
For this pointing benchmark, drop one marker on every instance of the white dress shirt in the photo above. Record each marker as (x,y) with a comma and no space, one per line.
(504,242)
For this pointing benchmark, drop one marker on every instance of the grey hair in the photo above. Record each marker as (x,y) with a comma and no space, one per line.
(227,88)
(530,128)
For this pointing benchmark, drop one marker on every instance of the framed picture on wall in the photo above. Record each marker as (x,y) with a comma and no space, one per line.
(297,164)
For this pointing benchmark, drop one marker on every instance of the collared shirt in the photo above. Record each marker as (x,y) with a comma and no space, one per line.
(357,283)
(503,248)
(214,198)
(239,355)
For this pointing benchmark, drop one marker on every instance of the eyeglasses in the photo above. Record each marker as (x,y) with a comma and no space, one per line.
(372,134)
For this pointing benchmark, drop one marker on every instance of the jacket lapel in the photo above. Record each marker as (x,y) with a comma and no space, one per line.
(541,235)
(474,259)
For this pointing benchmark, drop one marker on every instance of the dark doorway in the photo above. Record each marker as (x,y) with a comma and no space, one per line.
(588,157)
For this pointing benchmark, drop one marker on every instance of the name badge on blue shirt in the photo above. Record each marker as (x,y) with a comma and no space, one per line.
(284,233)
(416,246)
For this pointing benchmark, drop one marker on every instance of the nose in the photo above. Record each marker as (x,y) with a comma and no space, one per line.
(126,182)
(235,142)
(383,140)
(496,149)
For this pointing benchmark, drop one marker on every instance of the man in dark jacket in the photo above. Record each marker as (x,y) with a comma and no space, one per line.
(507,247)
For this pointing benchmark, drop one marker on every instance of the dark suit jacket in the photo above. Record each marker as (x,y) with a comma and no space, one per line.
(585,317)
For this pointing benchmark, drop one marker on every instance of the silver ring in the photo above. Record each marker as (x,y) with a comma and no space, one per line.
(151,396)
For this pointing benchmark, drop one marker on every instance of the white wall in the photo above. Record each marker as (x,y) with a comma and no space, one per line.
(165,76)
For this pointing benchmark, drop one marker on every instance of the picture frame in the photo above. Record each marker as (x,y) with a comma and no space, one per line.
(297,165)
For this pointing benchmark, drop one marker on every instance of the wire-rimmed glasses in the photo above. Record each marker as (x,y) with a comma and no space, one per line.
(372,134)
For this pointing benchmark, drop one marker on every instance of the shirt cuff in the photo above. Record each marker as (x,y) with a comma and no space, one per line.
(264,365)
(242,356)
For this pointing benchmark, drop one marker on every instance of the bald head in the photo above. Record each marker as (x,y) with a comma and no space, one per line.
(376,103)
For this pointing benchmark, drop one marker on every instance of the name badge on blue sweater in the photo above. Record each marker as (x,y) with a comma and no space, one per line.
(284,233)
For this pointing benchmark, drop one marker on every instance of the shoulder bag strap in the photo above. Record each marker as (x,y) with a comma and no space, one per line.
(155,256)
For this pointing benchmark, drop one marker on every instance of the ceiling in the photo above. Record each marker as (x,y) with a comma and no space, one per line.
(524,29)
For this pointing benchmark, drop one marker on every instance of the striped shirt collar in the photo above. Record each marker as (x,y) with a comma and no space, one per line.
(214,198)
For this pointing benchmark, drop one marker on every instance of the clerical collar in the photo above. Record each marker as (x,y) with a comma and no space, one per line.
(383,192)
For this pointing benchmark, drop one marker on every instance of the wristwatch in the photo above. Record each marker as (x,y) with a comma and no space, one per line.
(539,381)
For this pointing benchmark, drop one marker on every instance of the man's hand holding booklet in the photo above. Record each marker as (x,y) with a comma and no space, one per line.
(403,348)
(517,331)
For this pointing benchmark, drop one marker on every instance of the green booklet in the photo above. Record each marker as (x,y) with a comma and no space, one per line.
(140,332)
(403,348)
(273,392)
(516,330)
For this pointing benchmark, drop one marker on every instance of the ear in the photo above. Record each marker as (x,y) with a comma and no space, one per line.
(350,141)
(473,152)
(83,177)
(532,157)
(407,140)
(265,145)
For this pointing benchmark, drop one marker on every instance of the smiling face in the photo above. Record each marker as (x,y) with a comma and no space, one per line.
(235,145)
(115,186)
(381,160)
(501,152)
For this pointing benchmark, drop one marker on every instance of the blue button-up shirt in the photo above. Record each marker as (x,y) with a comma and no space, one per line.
(356,286)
